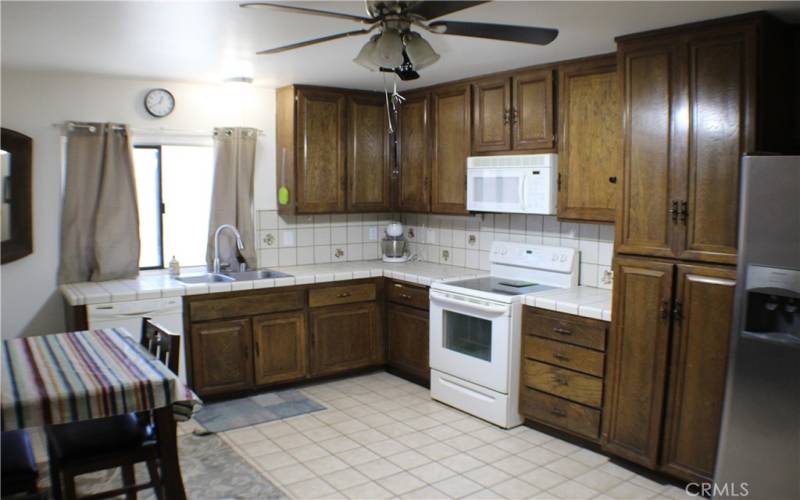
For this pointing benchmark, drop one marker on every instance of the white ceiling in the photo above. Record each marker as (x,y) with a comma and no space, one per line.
(203,41)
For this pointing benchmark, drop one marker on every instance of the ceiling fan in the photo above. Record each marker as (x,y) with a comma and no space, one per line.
(395,48)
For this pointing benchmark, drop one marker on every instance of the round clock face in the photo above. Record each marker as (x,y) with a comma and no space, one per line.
(159,103)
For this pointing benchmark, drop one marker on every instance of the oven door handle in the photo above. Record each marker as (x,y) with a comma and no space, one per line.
(472,305)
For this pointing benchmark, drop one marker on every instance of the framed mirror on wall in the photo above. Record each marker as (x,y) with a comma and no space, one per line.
(16,226)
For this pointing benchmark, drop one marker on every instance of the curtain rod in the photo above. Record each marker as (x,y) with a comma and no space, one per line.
(137,130)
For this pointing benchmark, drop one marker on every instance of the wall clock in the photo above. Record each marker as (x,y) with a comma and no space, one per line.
(159,102)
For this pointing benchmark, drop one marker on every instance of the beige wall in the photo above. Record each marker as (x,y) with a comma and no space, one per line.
(32,101)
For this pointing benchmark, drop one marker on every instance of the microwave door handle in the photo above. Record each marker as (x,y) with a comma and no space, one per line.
(471,305)
(523,192)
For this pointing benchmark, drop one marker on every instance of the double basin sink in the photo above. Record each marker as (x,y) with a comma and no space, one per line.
(256,274)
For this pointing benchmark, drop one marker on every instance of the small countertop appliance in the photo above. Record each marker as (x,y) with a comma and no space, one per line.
(394,243)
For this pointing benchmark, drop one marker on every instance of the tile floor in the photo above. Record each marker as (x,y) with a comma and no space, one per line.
(383,437)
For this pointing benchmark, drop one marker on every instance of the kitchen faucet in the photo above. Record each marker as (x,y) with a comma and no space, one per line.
(239,243)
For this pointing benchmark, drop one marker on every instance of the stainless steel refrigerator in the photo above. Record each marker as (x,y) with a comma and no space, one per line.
(759,450)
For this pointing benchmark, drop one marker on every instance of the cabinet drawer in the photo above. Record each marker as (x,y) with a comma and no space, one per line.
(346,294)
(409,295)
(560,413)
(565,328)
(568,356)
(567,384)
(247,305)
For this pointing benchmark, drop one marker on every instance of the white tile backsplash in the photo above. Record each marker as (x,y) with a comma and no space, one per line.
(450,236)
(454,240)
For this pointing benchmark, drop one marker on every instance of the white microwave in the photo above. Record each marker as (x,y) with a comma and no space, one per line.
(525,184)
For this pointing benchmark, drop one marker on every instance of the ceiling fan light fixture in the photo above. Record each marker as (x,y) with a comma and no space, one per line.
(388,50)
(366,54)
(419,51)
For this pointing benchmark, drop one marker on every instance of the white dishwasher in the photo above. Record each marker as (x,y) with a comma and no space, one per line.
(129,314)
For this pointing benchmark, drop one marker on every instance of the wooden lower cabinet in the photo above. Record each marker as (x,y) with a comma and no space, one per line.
(221,353)
(562,371)
(699,360)
(667,361)
(637,359)
(345,337)
(281,349)
(407,339)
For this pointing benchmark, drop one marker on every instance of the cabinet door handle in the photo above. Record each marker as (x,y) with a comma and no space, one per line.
(684,211)
(506,116)
(343,295)
(561,381)
(562,357)
(558,413)
(674,211)
(246,351)
(562,331)
(665,309)
(612,179)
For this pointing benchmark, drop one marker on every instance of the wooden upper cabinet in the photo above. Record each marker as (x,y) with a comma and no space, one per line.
(321,152)
(451,147)
(699,358)
(368,159)
(653,159)
(281,350)
(691,111)
(532,110)
(589,146)
(414,176)
(637,359)
(491,115)
(721,82)
(221,356)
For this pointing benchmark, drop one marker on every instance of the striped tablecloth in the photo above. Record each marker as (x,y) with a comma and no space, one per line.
(66,377)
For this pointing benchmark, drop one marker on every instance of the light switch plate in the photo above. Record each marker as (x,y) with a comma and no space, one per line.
(373,234)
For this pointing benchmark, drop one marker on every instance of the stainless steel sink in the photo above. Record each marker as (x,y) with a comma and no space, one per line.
(206,278)
(256,274)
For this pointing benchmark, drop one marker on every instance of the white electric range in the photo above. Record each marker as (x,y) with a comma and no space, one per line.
(475,328)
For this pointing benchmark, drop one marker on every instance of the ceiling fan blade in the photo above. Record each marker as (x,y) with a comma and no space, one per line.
(314,41)
(509,33)
(433,9)
(313,12)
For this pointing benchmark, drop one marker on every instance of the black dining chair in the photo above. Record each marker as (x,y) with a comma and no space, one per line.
(120,441)
(20,474)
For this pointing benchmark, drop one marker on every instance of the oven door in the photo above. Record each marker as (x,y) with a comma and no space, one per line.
(496,189)
(470,339)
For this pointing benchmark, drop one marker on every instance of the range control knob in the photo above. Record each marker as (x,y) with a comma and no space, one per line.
(563,258)
(503,250)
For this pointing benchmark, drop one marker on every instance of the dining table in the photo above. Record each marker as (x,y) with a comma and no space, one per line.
(74,376)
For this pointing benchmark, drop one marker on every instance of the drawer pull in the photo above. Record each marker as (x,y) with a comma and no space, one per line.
(561,381)
(559,356)
(558,413)
(405,296)
(562,331)
(343,295)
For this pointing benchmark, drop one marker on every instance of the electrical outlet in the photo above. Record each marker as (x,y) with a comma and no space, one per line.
(411,233)
(288,238)
(608,277)
(372,234)
(445,255)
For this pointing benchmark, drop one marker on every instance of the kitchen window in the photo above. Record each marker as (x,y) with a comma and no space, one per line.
(173,186)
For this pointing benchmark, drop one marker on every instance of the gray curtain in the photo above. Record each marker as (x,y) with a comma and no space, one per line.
(232,198)
(99,216)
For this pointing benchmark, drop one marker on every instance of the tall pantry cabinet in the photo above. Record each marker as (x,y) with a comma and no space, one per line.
(694,99)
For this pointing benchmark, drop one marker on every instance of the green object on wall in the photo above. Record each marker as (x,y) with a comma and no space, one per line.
(283,195)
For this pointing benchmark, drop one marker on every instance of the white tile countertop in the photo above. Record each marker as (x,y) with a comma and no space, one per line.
(586,301)
(157,284)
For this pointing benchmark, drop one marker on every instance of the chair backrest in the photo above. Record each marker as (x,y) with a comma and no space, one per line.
(163,344)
